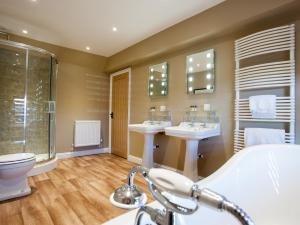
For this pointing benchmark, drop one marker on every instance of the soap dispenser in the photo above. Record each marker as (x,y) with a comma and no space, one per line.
(152,113)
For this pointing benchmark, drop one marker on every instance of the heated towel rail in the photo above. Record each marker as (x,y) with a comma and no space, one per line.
(265,77)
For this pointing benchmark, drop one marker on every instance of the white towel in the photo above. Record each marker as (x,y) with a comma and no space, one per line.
(259,136)
(263,106)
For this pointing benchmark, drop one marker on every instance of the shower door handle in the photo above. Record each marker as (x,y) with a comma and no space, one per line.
(111,115)
(51,107)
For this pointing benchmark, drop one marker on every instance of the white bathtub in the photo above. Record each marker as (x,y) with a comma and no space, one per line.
(264,180)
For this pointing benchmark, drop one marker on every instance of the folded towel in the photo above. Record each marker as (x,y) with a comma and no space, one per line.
(263,106)
(258,136)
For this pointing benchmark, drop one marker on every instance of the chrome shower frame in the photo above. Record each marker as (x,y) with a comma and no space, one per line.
(27,48)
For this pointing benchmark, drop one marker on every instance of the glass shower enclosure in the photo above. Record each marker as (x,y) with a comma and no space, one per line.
(27,100)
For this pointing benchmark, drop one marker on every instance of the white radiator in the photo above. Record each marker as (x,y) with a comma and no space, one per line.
(87,133)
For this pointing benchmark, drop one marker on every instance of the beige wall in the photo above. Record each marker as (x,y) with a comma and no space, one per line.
(82,91)
(172,150)
(215,28)
(227,18)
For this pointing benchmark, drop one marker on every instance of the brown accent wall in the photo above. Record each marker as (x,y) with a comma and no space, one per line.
(82,91)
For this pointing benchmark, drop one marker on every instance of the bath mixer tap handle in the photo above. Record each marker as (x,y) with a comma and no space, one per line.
(156,215)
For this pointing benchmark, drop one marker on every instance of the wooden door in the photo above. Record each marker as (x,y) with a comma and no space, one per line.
(119,115)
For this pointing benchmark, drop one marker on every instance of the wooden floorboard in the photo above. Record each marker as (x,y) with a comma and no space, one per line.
(75,193)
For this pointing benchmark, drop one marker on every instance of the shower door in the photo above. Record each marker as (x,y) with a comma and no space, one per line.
(13,65)
(37,127)
(27,100)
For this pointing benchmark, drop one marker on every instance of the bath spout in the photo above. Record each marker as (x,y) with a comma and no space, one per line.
(129,196)
(137,169)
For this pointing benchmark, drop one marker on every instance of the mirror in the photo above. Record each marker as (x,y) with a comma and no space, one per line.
(158,80)
(200,70)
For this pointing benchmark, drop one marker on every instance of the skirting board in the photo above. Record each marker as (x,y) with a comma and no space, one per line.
(65,155)
(43,167)
(138,160)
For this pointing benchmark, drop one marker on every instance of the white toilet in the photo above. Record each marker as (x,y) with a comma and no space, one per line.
(13,174)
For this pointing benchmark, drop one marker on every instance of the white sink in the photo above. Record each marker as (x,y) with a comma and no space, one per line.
(192,133)
(149,129)
(195,131)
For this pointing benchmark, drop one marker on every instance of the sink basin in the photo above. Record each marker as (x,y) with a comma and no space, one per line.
(192,133)
(149,129)
(196,131)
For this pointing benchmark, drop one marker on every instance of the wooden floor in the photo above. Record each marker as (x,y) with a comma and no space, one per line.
(75,193)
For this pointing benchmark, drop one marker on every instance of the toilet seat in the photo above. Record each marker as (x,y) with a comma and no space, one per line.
(16,158)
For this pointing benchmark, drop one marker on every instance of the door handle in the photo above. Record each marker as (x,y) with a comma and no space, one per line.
(111,115)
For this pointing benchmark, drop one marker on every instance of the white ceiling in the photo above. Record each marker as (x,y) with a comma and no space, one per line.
(80,23)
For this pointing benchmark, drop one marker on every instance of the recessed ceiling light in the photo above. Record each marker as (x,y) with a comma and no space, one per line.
(33,0)
(87,48)
(25,31)
(115,29)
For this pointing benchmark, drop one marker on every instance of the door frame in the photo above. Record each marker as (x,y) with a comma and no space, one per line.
(127,70)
